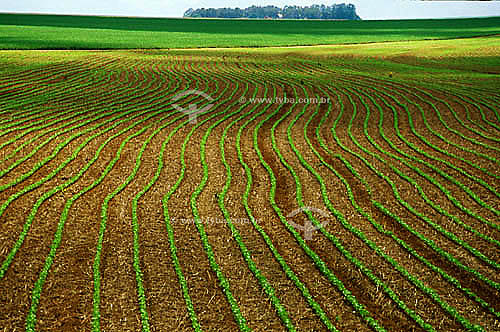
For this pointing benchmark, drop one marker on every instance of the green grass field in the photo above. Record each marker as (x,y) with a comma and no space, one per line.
(86,32)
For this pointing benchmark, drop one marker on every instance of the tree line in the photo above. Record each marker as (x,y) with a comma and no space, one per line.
(319,12)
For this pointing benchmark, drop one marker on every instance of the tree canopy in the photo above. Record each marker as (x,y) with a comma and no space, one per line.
(319,12)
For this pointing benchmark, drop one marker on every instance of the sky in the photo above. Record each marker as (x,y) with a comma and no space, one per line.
(367,9)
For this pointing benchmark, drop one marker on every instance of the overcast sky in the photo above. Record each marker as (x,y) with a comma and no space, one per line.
(367,9)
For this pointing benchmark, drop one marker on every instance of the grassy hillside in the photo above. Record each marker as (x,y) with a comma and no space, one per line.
(88,32)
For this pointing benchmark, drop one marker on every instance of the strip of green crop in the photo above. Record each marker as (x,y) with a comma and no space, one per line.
(50,114)
(485,132)
(288,271)
(475,103)
(60,146)
(31,217)
(453,281)
(455,201)
(66,89)
(52,192)
(436,148)
(264,283)
(15,96)
(31,319)
(445,306)
(39,93)
(435,206)
(491,108)
(286,268)
(44,124)
(140,287)
(11,79)
(444,190)
(135,221)
(97,261)
(135,228)
(15,164)
(73,95)
(320,264)
(443,122)
(449,257)
(103,101)
(455,115)
(339,216)
(25,97)
(429,291)
(418,283)
(28,115)
(444,174)
(240,320)
(224,283)
(398,197)
(37,290)
(441,172)
(43,73)
(439,228)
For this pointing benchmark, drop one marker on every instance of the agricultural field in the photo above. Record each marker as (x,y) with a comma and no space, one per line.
(320,188)
(22,31)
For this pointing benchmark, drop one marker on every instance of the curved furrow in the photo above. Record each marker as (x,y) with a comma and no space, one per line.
(339,216)
(316,307)
(135,219)
(39,94)
(240,320)
(462,95)
(356,232)
(31,318)
(476,102)
(448,177)
(456,117)
(305,292)
(127,102)
(474,196)
(103,96)
(100,96)
(372,216)
(96,315)
(122,118)
(68,242)
(320,264)
(437,207)
(466,189)
(449,257)
(433,224)
(444,152)
(104,215)
(444,124)
(414,280)
(35,74)
(224,283)
(263,281)
(96,81)
(49,75)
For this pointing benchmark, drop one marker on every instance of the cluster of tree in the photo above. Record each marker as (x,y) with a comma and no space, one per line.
(319,12)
